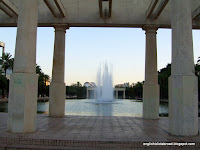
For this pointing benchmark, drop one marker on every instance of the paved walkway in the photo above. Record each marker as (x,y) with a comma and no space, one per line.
(88,132)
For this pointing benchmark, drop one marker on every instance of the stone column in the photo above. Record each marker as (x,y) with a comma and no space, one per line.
(183,95)
(22,104)
(95,93)
(116,94)
(124,94)
(151,87)
(57,86)
(87,94)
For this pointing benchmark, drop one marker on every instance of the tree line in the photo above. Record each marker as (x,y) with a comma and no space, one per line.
(79,91)
(6,62)
(76,90)
(163,76)
(165,73)
(43,82)
(136,91)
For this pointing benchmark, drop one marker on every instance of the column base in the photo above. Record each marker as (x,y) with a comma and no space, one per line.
(151,101)
(57,99)
(22,103)
(183,105)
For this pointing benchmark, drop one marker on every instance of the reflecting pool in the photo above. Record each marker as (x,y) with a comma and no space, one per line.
(86,107)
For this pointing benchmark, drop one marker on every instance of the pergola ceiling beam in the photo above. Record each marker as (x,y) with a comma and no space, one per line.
(196,13)
(5,10)
(160,8)
(155,9)
(100,8)
(56,7)
(51,8)
(110,8)
(60,7)
(105,8)
(9,8)
(151,8)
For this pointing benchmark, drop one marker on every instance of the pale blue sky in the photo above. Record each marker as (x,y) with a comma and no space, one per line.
(86,48)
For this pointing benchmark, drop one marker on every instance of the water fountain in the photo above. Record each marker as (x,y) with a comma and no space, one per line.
(105,84)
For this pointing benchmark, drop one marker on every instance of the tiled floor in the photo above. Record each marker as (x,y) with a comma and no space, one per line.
(79,131)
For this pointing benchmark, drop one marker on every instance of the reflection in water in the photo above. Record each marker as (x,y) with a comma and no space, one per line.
(87,108)
(3,107)
(42,107)
(163,109)
(104,109)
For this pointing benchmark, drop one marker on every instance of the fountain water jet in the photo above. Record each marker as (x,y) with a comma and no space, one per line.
(105,84)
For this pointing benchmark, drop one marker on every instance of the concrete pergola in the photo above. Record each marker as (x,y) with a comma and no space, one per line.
(180,15)
(116,90)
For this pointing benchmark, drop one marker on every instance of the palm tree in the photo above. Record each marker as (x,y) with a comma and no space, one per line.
(38,69)
(12,63)
(7,61)
(198,61)
(46,79)
(42,81)
(79,84)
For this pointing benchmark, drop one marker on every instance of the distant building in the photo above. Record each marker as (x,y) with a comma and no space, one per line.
(92,93)
(8,72)
(3,46)
(119,85)
(1,52)
(123,85)
(126,84)
(89,84)
(93,84)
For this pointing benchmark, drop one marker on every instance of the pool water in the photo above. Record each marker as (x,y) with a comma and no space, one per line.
(87,107)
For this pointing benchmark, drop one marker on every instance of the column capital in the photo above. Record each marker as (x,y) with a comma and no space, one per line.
(150,28)
(61,27)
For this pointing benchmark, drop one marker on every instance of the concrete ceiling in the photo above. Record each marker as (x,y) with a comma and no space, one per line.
(99,13)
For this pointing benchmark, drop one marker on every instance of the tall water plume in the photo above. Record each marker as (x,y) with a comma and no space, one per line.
(105,83)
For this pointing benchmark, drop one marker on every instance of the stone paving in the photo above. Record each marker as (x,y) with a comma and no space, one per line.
(92,132)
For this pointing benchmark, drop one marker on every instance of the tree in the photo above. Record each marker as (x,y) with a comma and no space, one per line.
(197,73)
(46,79)
(198,61)
(163,76)
(136,91)
(12,63)
(138,88)
(43,88)
(4,85)
(130,92)
(78,84)
(76,90)
(7,61)
(38,69)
